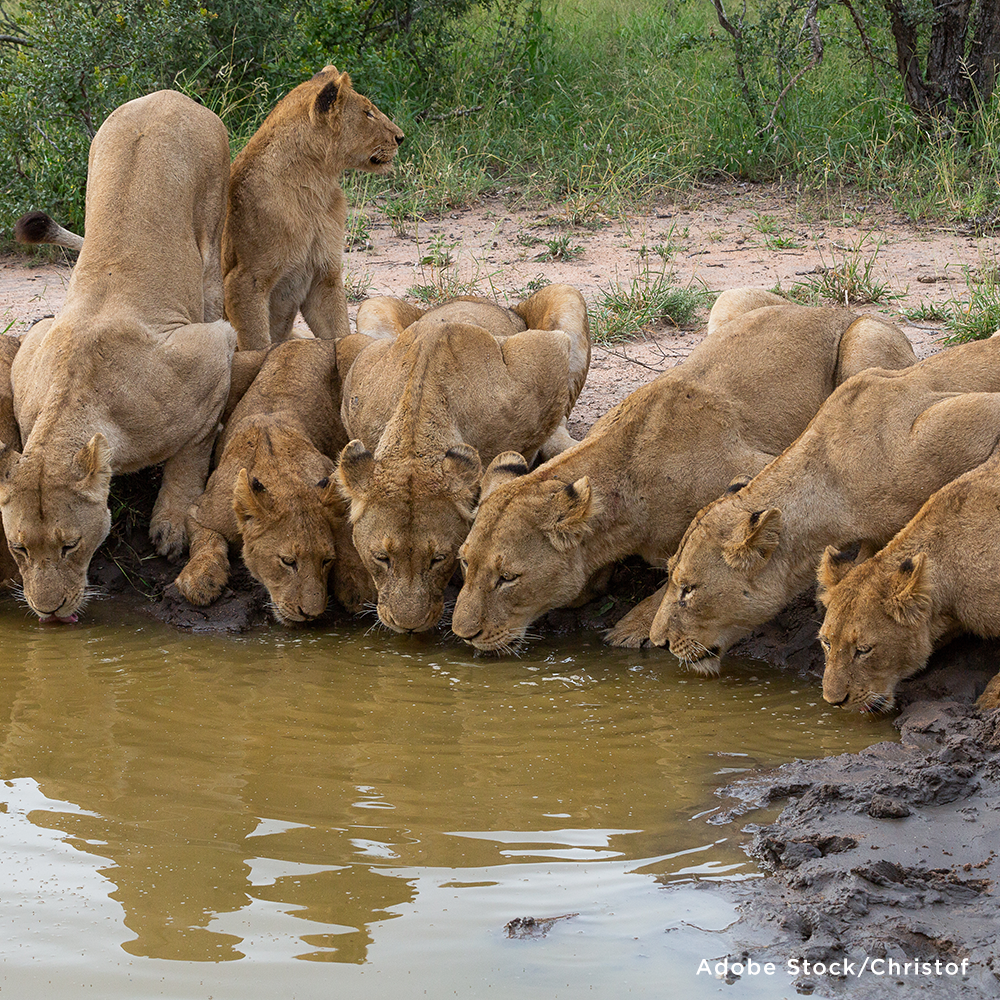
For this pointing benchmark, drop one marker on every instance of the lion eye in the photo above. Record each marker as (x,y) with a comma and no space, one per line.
(862,650)
(824,642)
(18,550)
(69,547)
(464,563)
(289,562)
(439,558)
(506,578)
(381,558)
(370,114)
(685,593)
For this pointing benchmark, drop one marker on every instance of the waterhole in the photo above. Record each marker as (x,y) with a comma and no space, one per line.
(354,814)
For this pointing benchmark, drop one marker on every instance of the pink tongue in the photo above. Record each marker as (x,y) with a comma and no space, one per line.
(55,618)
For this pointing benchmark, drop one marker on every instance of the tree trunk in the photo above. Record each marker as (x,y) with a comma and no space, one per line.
(960,73)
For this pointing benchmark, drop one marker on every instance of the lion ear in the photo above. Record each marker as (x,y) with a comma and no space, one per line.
(570,513)
(355,470)
(909,596)
(754,539)
(506,467)
(737,483)
(250,497)
(835,564)
(94,462)
(462,470)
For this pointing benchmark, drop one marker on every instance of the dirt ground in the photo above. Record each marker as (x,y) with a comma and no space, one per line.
(891,854)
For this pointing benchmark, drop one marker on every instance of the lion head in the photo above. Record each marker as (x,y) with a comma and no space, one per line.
(407,526)
(523,555)
(717,582)
(289,524)
(877,629)
(55,519)
(362,138)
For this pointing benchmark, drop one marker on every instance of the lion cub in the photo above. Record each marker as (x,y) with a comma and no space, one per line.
(460,384)
(934,580)
(272,492)
(135,368)
(283,242)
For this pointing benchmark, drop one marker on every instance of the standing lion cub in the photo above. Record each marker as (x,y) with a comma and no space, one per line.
(284,236)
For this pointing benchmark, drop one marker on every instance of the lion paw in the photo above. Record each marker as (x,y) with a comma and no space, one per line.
(167,539)
(632,631)
(201,585)
(990,698)
(627,637)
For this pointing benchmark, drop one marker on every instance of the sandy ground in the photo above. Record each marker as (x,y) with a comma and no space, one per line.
(889,855)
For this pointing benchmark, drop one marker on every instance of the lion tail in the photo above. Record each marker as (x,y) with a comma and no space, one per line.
(36,227)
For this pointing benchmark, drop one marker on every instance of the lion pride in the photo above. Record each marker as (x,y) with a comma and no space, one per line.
(633,484)
(877,449)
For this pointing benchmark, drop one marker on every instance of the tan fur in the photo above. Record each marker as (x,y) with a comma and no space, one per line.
(10,436)
(284,238)
(134,370)
(935,579)
(461,384)
(876,451)
(272,492)
(635,481)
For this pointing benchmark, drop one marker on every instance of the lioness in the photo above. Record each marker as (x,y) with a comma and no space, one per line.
(875,452)
(461,384)
(634,482)
(271,491)
(934,580)
(283,243)
(134,370)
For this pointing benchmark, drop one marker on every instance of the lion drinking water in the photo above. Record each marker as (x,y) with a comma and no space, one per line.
(458,385)
(272,492)
(135,368)
(934,580)
(633,484)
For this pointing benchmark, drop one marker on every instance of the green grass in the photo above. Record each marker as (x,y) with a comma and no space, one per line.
(628,308)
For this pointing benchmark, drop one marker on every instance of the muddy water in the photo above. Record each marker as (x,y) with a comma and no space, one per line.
(345,814)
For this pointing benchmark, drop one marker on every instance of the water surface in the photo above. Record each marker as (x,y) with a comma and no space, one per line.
(310,813)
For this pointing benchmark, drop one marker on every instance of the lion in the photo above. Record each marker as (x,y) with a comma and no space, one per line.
(936,579)
(135,368)
(272,492)
(877,449)
(427,407)
(632,485)
(283,242)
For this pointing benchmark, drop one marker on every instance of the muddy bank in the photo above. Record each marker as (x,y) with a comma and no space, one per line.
(881,870)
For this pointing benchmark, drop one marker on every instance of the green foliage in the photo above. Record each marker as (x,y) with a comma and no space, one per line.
(83,60)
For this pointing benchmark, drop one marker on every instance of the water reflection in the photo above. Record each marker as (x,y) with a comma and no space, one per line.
(293,795)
